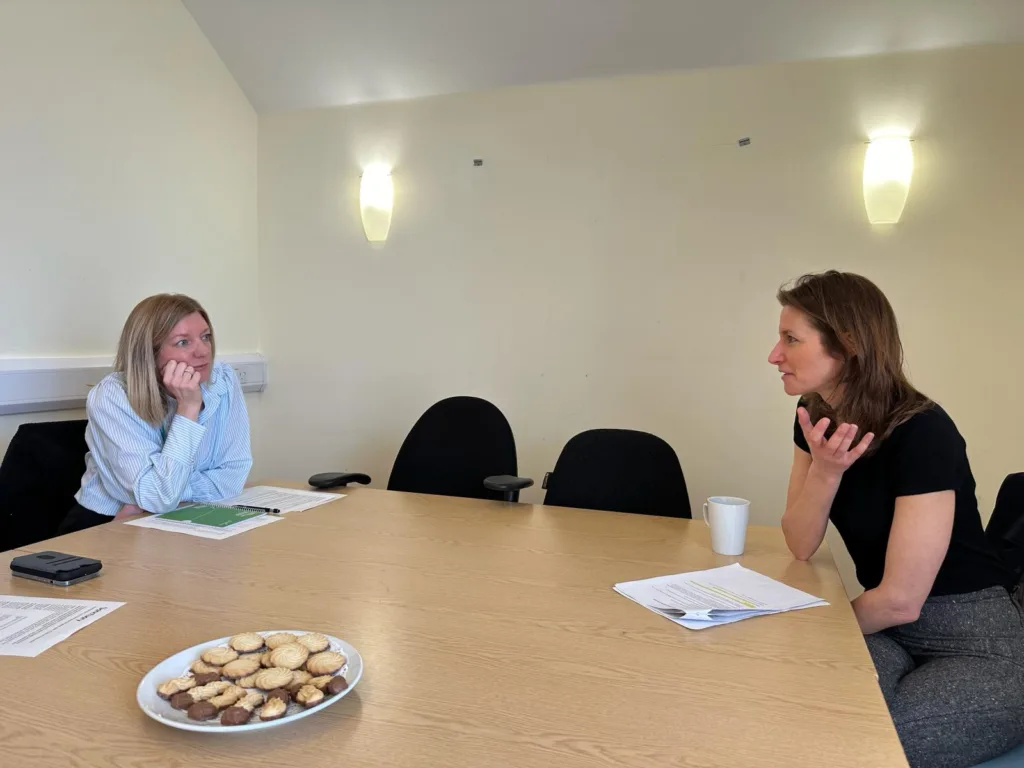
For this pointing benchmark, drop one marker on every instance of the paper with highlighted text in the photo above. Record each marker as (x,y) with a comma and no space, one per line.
(702,599)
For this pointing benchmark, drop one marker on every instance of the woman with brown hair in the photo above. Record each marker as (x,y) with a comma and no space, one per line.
(168,425)
(888,467)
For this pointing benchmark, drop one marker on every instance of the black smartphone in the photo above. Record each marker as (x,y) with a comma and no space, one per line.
(56,568)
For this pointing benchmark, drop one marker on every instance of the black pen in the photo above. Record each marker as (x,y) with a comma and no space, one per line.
(265,510)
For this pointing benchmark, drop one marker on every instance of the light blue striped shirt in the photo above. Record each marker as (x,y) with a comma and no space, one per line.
(156,468)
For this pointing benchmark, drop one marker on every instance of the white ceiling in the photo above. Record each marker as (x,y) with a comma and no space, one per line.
(289,54)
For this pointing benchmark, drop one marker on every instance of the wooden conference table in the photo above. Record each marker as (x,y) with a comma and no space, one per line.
(491,637)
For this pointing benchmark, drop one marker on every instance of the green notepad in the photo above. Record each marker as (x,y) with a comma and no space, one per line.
(215,517)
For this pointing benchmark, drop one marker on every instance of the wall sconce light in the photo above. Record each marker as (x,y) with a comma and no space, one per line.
(376,202)
(888,168)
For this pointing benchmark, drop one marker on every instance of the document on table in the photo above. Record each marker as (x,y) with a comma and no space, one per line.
(195,528)
(30,625)
(211,515)
(702,599)
(283,499)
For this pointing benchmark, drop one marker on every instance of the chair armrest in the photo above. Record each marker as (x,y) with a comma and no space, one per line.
(507,483)
(338,479)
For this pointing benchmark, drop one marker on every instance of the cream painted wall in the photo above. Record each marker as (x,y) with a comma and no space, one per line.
(614,261)
(127,167)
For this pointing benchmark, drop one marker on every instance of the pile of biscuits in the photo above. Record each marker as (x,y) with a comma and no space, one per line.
(257,676)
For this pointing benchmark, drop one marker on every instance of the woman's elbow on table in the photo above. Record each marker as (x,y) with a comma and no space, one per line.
(156,505)
(154,498)
(801,546)
(803,554)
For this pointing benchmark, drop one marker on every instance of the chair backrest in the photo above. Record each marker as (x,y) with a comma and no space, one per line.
(619,470)
(453,447)
(39,477)
(1005,528)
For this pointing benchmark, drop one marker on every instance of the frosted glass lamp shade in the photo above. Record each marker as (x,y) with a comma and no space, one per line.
(888,169)
(376,202)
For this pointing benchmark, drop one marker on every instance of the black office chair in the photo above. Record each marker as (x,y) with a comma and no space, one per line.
(1005,528)
(461,446)
(619,470)
(39,477)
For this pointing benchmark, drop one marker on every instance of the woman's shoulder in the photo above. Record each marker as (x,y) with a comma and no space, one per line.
(111,386)
(931,424)
(108,401)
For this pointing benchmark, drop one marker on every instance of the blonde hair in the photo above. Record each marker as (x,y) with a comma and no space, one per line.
(144,331)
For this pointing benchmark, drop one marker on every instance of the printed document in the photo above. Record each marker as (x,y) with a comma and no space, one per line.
(702,599)
(30,625)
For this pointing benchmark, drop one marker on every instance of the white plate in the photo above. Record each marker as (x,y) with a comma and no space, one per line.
(179,664)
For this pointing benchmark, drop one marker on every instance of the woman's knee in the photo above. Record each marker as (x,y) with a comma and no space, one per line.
(892,662)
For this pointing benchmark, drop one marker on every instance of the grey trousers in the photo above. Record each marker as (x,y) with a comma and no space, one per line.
(954,679)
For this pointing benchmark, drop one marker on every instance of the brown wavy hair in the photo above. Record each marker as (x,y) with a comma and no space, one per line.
(144,331)
(857,325)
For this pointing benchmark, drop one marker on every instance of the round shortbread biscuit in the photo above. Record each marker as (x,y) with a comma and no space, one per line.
(314,642)
(326,663)
(276,677)
(247,642)
(278,639)
(291,656)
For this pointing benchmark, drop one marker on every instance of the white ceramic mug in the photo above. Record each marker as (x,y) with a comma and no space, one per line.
(727,517)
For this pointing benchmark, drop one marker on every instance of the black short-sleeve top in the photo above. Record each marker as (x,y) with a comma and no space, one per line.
(923,455)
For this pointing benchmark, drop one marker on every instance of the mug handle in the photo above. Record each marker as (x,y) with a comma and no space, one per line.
(706,515)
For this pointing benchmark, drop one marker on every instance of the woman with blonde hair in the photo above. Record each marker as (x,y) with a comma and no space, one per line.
(168,425)
(889,468)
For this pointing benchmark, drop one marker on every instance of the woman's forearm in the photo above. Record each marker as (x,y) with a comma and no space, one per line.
(806,518)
